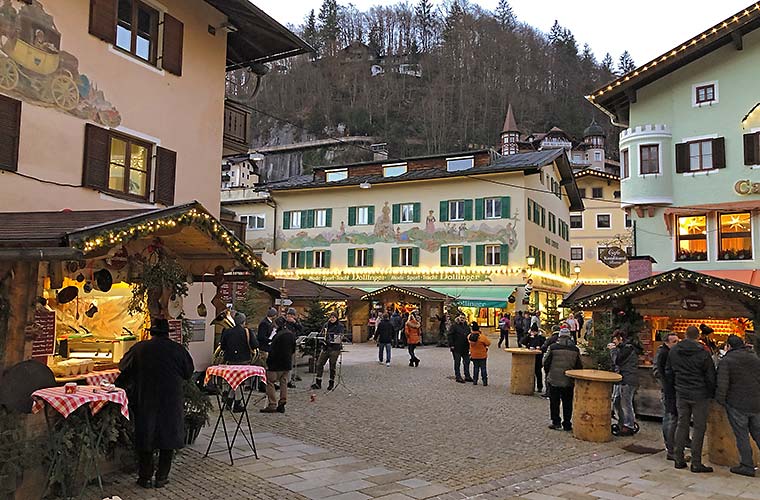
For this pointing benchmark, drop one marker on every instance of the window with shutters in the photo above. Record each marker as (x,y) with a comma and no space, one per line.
(628,221)
(295,260)
(456,210)
(362,257)
(752,148)
(336,174)
(576,253)
(321,259)
(735,236)
(649,159)
(493,255)
(493,208)
(129,166)
(320,217)
(407,212)
(603,221)
(137,30)
(576,221)
(295,219)
(456,256)
(362,216)
(406,256)
(253,222)
(625,170)
(700,155)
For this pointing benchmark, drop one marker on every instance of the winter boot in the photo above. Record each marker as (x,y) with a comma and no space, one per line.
(331,385)
(317,384)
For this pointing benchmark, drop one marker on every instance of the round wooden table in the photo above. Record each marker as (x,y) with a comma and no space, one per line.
(721,443)
(592,404)
(523,370)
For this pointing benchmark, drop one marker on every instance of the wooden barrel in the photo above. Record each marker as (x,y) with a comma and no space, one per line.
(592,402)
(523,371)
(721,443)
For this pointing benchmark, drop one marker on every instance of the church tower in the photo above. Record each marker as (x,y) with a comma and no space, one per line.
(594,139)
(510,135)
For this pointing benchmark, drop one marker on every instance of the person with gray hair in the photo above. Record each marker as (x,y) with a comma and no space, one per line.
(236,344)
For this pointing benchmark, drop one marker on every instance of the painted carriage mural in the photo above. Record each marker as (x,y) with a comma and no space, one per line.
(35,69)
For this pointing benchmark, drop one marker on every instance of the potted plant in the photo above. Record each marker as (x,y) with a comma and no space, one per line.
(196,411)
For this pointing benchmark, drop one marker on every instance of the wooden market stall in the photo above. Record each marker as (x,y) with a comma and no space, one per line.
(429,303)
(357,313)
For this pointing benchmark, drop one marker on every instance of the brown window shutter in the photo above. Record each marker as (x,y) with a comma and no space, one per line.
(96,157)
(682,157)
(752,149)
(166,174)
(172,48)
(103,19)
(10,128)
(719,152)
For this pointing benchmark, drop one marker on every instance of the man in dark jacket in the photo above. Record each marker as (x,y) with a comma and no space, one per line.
(520,327)
(625,361)
(667,392)
(264,333)
(153,372)
(331,347)
(691,370)
(739,391)
(397,323)
(237,343)
(534,340)
(295,326)
(384,333)
(460,347)
(279,364)
(561,356)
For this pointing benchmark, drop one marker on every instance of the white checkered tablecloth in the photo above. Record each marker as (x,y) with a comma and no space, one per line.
(65,404)
(235,374)
(95,378)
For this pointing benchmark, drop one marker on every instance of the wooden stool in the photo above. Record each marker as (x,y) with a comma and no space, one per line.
(523,370)
(592,404)
(721,442)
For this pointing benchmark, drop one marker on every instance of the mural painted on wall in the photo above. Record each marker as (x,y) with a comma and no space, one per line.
(430,238)
(34,69)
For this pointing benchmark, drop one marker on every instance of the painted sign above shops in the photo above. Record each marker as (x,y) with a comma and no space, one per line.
(391,276)
(746,187)
(613,256)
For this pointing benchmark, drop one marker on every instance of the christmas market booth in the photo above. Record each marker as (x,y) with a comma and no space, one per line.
(79,288)
(429,303)
(670,302)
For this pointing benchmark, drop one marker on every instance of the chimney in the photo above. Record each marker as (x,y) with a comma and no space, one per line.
(380,151)
(640,267)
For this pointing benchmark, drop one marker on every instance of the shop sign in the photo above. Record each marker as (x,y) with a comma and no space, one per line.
(693,303)
(551,242)
(613,256)
(44,342)
(746,187)
(394,276)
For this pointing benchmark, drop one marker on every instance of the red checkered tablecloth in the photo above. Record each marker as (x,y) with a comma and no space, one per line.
(235,374)
(65,404)
(95,378)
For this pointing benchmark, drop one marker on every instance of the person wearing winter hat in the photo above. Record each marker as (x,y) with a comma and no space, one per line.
(738,389)
(478,354)
(331,347)
(295,326)
(561,356)
(535,340)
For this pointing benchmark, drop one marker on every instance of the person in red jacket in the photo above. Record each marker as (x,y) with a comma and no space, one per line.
(478,354)
(413,331)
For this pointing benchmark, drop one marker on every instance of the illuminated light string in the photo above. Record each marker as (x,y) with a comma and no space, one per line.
(709,32)
(192,217)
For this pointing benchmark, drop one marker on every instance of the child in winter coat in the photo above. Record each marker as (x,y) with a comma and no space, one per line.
(478,353)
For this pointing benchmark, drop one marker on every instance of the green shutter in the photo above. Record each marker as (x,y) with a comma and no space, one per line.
(394,257)
(327,258)
(309,218)
(351,216)
(309,259)
(417,216)
(530,210)
(286,220)
(415,256)
(480,255)
(370,257)
(444,256)
(505,209)
(396,213)
(467,255)
(371,215)
(543,217)
(480,208)
(351,257)
(467,209)
(504,257)
(284,262)
(443,215)
(328,217)
(302,259)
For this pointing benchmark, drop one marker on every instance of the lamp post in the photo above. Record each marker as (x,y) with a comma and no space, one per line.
(531,261)
(577,271)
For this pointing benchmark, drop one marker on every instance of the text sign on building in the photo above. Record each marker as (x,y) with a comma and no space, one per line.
(746,187)
(693,303)
(44,343)
(613,256)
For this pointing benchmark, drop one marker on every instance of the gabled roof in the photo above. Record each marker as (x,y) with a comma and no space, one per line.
(592,172)
(615,97)
(412,291)
(302,289)
(583,290)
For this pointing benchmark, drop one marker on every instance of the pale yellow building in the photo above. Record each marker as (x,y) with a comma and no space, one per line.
(600,236)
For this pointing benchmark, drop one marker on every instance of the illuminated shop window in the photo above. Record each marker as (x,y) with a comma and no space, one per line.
(692,238)
(735,236)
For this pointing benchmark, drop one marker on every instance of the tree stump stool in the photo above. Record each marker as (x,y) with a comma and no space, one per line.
(592,404)
(523,380)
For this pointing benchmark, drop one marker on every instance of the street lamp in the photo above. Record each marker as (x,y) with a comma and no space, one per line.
(531,261)
(577,271)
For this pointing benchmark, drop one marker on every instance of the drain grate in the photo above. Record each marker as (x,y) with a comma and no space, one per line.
(641,450)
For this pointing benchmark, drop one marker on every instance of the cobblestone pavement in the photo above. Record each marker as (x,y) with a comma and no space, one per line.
(399,433)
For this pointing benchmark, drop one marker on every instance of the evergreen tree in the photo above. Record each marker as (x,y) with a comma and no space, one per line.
(329,28)
(625,63)
(505,15)
(424,20)
(316,316)
(310,33)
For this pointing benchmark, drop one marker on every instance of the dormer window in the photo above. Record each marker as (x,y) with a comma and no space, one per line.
(394,170)
(336,174)
(457,164)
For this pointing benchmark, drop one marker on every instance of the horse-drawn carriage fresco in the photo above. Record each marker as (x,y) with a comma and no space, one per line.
(35,69)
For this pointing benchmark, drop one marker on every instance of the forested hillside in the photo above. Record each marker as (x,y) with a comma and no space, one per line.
(473,62)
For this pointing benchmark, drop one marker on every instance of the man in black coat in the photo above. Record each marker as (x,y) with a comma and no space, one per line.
(152,373)
(534,340)
(298,330)
(264,332)
(279,364)
(690,368)
(384,333)
(331,347)
(667,393)
(460,347)
(739,391)
(237,343)
(561,356)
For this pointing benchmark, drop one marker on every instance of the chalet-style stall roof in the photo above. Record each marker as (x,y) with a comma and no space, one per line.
(683,294)
(299,290)
(415,292)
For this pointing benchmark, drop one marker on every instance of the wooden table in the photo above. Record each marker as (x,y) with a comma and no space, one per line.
(721,443)
(592,404)
(523,370)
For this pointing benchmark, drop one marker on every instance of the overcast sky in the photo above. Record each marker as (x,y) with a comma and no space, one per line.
(646,28)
